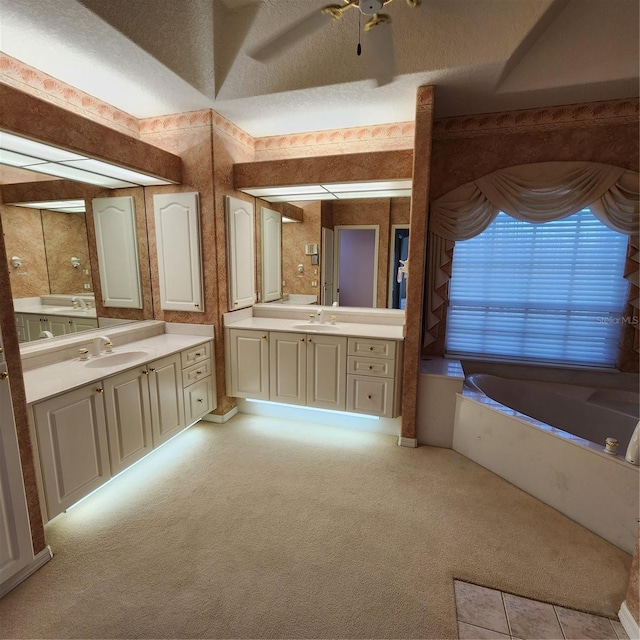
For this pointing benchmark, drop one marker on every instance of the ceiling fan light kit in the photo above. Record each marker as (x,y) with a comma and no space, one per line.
(382,45)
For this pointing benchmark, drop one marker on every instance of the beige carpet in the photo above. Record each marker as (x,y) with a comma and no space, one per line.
(265,528)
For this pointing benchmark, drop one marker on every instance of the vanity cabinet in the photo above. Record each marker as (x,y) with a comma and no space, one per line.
(31,325)
(293,368)
(72,439)
(241,252)
(373,375)
(86,436)
(249,364)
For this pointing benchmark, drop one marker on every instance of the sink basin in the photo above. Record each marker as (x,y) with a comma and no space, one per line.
(115,359)
(315,326)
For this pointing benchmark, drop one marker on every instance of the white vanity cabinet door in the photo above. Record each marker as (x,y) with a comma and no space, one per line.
(288,367)
(165,392)
(326,372)
(16,551)
(33,326)
(58,325)
(199,399)
(128,414)
(370,395)
(72,440)
(249,364)
(177,222)
(82,324)
(114,220)
(271,249)
(241,253)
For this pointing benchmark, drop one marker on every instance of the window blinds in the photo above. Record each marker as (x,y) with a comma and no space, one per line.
(551,292)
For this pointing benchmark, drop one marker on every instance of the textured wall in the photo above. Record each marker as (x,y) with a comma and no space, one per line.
(66,236)
(24,238)
(633,592)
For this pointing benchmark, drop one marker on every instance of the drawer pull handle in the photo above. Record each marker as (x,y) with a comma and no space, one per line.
(370,348)
(99,390)
(200,400)
(4,375)
(198,372)
(198,354)
(370,366)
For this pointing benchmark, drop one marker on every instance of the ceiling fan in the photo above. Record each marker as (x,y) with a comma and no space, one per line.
(378,28)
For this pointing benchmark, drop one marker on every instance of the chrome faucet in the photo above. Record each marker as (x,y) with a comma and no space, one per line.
(97,344)
(81,302)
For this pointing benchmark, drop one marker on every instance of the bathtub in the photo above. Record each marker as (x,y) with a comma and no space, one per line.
(548,439)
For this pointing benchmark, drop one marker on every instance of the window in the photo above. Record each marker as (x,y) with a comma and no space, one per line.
(551,292)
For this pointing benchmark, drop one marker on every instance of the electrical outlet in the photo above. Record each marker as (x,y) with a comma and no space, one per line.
(87,285)
(314,283)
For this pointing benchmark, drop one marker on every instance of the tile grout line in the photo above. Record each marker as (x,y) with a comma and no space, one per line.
(506,615)
(555,611)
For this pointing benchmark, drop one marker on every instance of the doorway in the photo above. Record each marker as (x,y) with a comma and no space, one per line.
(356,265)
(399,250)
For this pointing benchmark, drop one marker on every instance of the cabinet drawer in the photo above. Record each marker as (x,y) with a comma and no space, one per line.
(372,347)
(196,372)
(196,354)
(370,366)
(198,399)
(369,395)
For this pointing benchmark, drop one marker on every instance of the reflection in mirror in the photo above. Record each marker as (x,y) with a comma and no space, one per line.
(53,280)
(313,243)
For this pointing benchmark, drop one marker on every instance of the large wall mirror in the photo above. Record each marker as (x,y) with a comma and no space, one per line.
(51,252)
(347,251)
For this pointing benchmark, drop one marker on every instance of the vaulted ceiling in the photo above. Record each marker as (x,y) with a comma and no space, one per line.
(155,57)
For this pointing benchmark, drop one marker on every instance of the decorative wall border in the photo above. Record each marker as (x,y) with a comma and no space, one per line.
(577,115)
(385,137)
(175,121)
(19,75)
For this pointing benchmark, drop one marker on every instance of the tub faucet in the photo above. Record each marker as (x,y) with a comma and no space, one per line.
(81,302)
(633,450)
(97,344)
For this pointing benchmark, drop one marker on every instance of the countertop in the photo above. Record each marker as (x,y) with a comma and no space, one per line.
(54,379)
(355,329)
(50,310)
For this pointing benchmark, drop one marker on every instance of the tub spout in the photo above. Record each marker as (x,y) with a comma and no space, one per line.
(633,450)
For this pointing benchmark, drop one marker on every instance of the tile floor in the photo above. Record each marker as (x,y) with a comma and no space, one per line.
(487,614)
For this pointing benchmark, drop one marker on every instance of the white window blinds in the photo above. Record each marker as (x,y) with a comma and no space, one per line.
(551,292)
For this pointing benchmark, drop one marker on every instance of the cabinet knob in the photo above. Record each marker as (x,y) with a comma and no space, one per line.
(99,390)
(4,375)
(145,373)
(197,306)
(368,397)
(264,337)
(200,400)
(1,350)
(370,366)
(370,348)
(152,370)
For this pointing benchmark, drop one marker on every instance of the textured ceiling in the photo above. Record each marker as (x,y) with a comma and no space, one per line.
(173,56)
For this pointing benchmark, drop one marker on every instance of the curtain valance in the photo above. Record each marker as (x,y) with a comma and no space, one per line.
(540,192)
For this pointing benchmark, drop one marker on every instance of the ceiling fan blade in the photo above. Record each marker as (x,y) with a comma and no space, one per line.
(289,36)
(380,42)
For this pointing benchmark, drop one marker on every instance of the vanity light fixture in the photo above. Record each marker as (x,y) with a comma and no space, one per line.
(16,262)
(75,262)
(43,158)
(66,206)
(333,191)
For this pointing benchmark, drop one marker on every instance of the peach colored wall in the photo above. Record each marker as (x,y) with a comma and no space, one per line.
(24,238)
(14,366)
(66,236)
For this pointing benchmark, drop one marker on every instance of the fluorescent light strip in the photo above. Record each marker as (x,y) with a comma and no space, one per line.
(71,173)
(36,156)
(309,189)
(390,193)
(381,185)
(49,204)
(311,197)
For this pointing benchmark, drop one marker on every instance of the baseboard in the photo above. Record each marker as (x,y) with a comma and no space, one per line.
(407,442)
(626,619)
(41,559)
(213,417)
